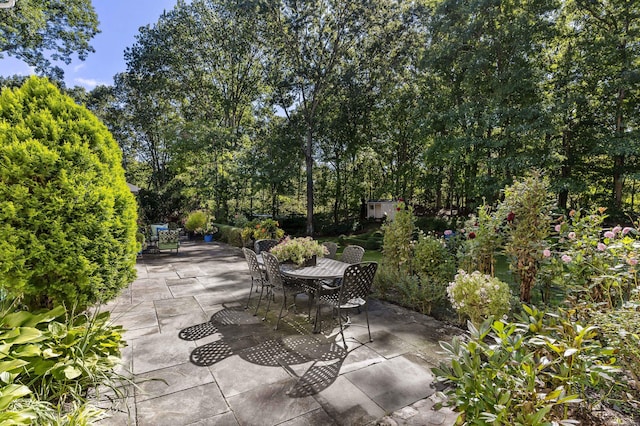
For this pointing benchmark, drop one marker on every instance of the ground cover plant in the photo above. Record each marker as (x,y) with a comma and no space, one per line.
(50,362)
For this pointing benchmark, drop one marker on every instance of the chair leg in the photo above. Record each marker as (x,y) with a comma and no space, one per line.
(341,328)
(366,313)
(268,303)
(259,300)
(250,291)
(284,302)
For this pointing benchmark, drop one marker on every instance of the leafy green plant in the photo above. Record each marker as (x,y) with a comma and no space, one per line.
(67,217)
(197,221)
(298,250)
(620,329)
(55,359)
(398,235)
(230,234)
(485,238)
(595,265)
(526,210)
(435,266)
(544,368)
(262,229)
(478,296)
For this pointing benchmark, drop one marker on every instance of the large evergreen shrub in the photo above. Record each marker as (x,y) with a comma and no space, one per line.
(67,217)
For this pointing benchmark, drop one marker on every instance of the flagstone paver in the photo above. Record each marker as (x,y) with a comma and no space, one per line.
(199,358)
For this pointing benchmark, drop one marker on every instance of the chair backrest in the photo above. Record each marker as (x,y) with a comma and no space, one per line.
(357,281)
(168,237)
(252,261)
(264,245)
(332,248)
(352,254)
(273,270)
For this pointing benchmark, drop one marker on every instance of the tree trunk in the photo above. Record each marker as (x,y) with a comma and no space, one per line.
(308,154)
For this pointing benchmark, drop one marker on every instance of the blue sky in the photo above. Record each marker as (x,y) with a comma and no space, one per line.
(119,24)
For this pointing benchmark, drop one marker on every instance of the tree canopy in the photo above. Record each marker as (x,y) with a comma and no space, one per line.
(42,32)
(310,107)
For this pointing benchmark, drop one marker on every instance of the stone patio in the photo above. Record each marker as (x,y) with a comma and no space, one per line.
(199,358)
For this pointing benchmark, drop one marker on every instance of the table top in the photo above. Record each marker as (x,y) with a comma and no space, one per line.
(325,269)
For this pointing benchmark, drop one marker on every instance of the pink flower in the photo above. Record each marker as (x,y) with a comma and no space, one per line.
(448,232)
(626,230)
(633,261)
(602,246)
(572,235)
(609,234)
(558,228)
(616,229)
(566,258)
(546,253)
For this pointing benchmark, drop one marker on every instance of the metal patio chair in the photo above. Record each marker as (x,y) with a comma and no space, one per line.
(264,245)
(353,292)
(352,254)
(258,276)
(279,283)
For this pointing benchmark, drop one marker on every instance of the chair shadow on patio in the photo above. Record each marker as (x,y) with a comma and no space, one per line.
(252,340)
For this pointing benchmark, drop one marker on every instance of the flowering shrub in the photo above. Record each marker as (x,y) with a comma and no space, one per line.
(478,296)
(263,229)
(298,249)
(594,266)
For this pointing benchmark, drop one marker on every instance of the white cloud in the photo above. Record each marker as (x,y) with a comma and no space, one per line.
(89,83)
(78,67)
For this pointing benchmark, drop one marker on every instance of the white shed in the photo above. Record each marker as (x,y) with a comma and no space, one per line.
(379,209)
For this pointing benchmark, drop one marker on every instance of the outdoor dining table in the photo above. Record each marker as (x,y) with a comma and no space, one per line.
(325,269)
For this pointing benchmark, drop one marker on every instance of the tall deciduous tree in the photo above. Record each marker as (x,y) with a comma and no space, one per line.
(312,43)
(41,32)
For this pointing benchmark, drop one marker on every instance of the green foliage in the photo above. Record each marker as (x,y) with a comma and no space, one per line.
(595,266)
(478,253)
(197,221)
(262,229)
(405,289)
(298,249)
(36,32)
(230,234)
(435,266)
(538,370)
(478,296)
(56,359)
(526,208)
(398,235)
(67,218)
(620,329)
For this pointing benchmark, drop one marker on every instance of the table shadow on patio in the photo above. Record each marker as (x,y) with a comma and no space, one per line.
(246,336)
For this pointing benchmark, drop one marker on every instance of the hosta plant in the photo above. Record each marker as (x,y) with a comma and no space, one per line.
(55,359)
